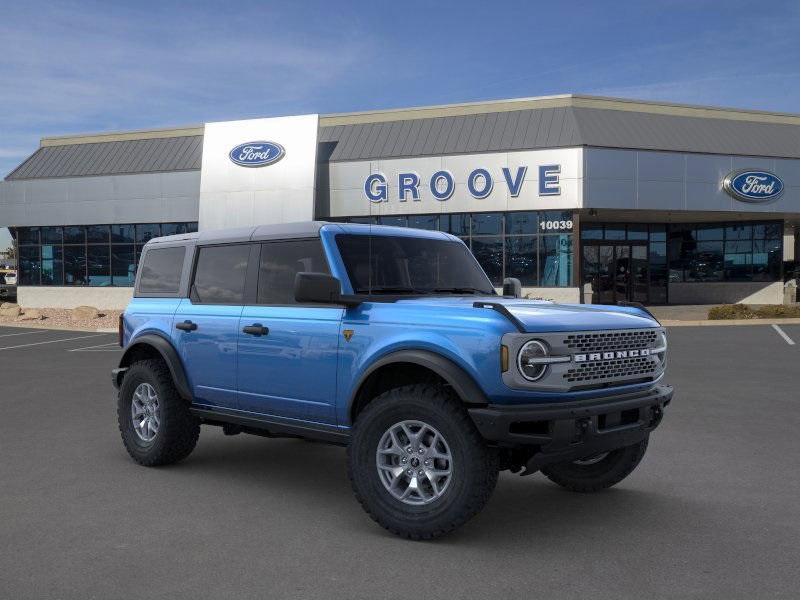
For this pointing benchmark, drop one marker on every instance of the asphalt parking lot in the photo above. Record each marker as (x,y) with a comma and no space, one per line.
(712,512)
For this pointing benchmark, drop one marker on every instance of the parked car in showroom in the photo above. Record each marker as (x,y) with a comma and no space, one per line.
(394,343)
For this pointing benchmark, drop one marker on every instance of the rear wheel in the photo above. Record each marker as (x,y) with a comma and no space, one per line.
(417,464)
(156,425)
(598,472)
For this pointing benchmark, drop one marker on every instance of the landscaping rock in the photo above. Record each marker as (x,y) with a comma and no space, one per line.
(12,311)
(8,305)
(82,313)
(30,315)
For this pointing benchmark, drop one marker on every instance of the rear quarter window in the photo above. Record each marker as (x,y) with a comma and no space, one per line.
(161,270)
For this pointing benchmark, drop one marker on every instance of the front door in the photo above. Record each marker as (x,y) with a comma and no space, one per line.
(206,325)
(616,271)
(288,353)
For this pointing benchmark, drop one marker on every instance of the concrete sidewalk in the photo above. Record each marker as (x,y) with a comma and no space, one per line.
(697,315)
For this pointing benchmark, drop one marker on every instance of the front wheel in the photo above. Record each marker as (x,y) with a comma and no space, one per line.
(417,464)
(595,473)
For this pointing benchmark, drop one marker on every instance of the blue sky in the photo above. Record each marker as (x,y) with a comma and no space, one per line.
(74,67)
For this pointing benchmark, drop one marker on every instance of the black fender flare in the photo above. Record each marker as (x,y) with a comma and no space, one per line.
(168,354)
(456,377)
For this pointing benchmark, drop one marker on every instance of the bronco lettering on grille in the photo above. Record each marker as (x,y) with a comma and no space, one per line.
(594,356)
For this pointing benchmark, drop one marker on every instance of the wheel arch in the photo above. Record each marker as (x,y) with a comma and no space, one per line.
(152,345)
(413,364)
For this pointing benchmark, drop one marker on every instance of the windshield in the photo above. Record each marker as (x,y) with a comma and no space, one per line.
(411,265)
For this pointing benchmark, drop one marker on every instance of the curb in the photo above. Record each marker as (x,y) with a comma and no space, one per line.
(43,325)
(729,322)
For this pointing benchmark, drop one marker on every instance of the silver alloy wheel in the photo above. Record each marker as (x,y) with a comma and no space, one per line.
(414,462)
(145,412)
(590,460)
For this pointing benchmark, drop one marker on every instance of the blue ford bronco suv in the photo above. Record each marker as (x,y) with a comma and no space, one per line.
(394,343)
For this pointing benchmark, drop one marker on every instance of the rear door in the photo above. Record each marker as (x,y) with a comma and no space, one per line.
(206,325)
(288,352)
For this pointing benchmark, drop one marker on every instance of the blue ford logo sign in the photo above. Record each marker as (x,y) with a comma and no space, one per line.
(257,154)
(753,186)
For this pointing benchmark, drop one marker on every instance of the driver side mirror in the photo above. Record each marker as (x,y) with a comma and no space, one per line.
(320,288)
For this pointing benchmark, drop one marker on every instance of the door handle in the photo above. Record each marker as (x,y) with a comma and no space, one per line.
(255,329)
(186,326)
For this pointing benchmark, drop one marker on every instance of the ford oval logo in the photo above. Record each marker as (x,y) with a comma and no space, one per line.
(257,154)
(753,186)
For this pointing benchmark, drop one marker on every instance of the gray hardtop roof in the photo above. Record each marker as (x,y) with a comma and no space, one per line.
(303,229)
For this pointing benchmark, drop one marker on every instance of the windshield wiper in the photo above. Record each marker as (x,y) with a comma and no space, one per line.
(389,289)
(463,290)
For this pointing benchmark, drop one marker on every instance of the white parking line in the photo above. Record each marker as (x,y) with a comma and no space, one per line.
(98,348)
(782,333)
(23,333)
(83,337)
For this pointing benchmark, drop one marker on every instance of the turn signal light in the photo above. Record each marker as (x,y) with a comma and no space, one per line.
(503,358)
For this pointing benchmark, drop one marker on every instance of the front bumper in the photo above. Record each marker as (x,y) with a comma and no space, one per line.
(573,430)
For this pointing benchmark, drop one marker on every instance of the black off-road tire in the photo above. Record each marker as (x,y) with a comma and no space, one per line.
(474,465)
(178,430)
(609,471)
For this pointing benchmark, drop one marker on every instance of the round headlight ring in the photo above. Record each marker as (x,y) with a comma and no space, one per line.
(535,349)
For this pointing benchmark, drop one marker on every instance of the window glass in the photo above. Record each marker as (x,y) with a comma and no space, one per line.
(489,252)
(457,224)
(220,274)
(739,247)
(770,231)
(123,265)
(430,222)
(521,222)
(592,231)
(658,233)
(27,235)
(191,227)
(51,235)
(703,262)
(122,234)
(637,232)
(364,220)
(74,235)
(555,260)
(97,234)
(397,221)
(161,271)
(487,224)
(147,231)
(521,260)
(708,232)
(409,264)
(75,265)
(29,265)
(738,267)
(615,231)
(739,231)
(281,262)
(173,228)
(52,265)
(98,260)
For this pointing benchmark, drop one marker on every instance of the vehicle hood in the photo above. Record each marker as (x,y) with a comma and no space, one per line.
(539,316)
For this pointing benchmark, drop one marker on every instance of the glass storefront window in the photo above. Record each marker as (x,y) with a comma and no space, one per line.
(489,252)
(94,255)
(555,260)
(614,231)
(522,223)
(487,224)
(521,261)
(74,235)
(395,221)
(457,224)
(637,232)
(430,222)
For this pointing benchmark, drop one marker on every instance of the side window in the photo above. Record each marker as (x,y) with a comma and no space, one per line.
(161,270)
(281,261)
(220,274)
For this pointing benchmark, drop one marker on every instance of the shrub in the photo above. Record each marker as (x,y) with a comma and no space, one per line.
(746,311)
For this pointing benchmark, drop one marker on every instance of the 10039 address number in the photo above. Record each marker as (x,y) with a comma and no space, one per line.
(556,225)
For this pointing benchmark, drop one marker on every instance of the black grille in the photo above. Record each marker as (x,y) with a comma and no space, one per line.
(615,340)
(617,368)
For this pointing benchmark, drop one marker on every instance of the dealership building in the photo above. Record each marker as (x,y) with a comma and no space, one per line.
(583,199)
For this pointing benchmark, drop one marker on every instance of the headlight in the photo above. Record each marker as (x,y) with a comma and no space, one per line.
(532,360)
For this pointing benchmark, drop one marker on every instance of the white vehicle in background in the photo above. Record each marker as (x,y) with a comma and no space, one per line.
(8,284)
